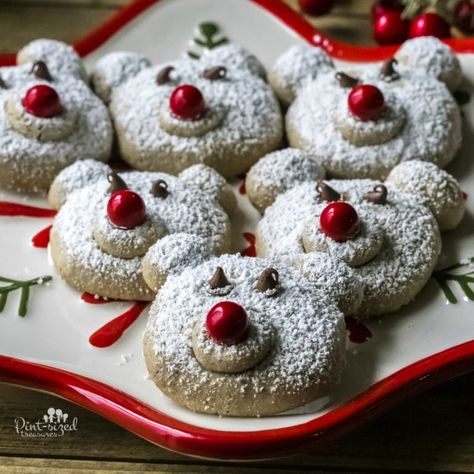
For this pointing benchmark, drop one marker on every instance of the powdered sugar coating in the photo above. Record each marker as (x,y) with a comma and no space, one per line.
(429,55)
(82,262)
(295,68)
(247,116)
(430,130)
(307,351)
(113,69)
(33,150)
(279,171)
(439,190)
(237,357)
(408,254)
(356,251)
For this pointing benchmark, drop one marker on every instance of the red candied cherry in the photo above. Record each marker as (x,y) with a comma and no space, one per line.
(430,24)
(380,7)
(42,101)
(227,322)
(187,102)
(391,28)
(339,220)
(316,7)
(366,102)
(126,209)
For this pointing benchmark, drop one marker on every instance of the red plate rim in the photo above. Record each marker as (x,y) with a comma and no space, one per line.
(277,8)
(184,438)
(172,434)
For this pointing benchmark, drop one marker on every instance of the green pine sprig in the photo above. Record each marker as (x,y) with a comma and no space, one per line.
(23,287)
(464,280)
(207,37)
(413,8)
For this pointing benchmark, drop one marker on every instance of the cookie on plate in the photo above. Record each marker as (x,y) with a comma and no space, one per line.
(107,221)
(361,120)
(217,110)
(49,117)
(241,336)
(388,232)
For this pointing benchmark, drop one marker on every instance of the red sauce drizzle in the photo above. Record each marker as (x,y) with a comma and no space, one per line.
(41,239)
(14,209)
(112,331)
(251,250)
(242,189)
(91,299)
(358,331)
(464,195)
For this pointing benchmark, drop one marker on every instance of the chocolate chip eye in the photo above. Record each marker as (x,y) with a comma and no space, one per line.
(215,73)
(116,182)
(159,189)
(387,72)
(164,75)
(2,84)
(345,80)
(378,195)
(219,284)
(326,193)
(268,282)
(40,71)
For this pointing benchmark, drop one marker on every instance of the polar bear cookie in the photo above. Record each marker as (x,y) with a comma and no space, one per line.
(389,233)
(107,222)
(243,336)
(217,110)
(49,117)
(360,121)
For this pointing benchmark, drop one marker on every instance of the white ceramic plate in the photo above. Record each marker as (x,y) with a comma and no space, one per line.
(430,340)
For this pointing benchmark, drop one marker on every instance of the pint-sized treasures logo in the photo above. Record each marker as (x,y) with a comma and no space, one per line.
(53,424)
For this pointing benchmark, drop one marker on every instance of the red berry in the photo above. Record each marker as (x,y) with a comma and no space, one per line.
(464,16)
(339,220)
(380,7)
(391,28)
(187,102)
(316,7)
(227,322)
(366,102)
(42,101)
(126,209)
(430,24)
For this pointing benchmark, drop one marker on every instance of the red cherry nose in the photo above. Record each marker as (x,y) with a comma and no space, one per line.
(339,220)
(126,209)
(366,102)
(187,102)
(42,101)
(227,322)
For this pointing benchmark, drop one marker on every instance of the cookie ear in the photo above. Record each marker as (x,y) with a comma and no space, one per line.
(234,57)
(212,183)
(76,176)
(171,255)
(278,172)
(296,67)
(334,278)
(435,187)
(431,56)
(60,58)
(115,68)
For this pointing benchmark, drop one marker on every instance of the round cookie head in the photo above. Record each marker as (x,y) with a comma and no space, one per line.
(96,249)
(348,138)
(397,242)
(238,121)
(47,114)
(49,117)
(292,348)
